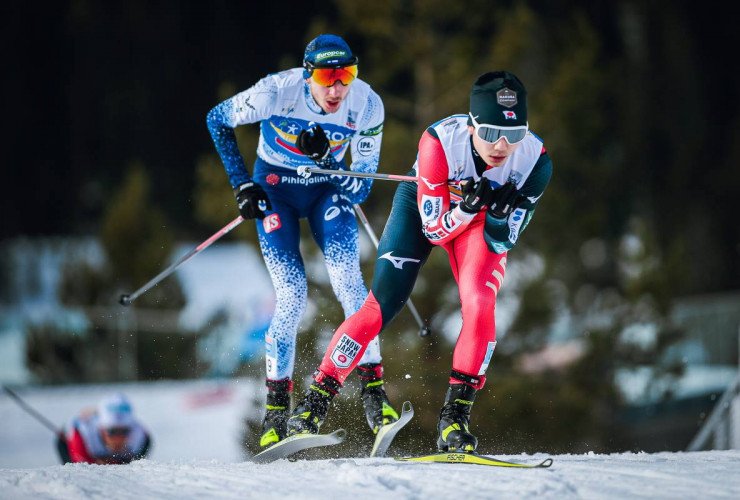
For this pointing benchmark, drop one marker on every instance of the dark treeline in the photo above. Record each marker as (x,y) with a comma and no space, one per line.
(91,88)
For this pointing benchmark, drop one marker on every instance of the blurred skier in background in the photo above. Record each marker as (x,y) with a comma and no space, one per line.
(109,434)
(311,116)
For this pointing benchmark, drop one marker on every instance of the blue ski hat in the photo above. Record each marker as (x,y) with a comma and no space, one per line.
(327,51)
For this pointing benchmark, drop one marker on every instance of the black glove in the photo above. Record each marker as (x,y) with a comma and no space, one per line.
(504,200)
(313,143)
(475,195)
(252,200)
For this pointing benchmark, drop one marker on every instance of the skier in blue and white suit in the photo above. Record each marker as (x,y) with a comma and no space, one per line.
(310,115)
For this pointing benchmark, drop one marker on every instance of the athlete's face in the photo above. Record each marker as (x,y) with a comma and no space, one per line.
(328,98)
(115,439)
(494,154)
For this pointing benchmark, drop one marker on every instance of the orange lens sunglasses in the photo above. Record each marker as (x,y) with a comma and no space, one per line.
(329,76)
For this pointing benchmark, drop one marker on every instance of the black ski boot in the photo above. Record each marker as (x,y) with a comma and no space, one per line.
(454,419)
(374,399)
(311,411)
(274,426)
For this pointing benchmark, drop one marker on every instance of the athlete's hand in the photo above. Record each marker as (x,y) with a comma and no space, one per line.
(313,143)
(475,195)
(252,200)
(504,200)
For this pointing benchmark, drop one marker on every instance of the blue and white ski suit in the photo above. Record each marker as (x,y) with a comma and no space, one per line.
(283,105)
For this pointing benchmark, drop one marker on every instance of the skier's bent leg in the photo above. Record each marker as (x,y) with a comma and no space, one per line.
(344,352)
(402,251)
(339,241)
(480,274)
(351,339)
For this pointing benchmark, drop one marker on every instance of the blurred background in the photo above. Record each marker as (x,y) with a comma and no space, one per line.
(619,319)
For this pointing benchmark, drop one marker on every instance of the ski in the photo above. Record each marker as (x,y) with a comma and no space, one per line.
(472,458)
(387,432)
(294,444)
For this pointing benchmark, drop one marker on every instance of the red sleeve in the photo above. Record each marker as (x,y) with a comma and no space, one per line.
(77,451)
(439,223)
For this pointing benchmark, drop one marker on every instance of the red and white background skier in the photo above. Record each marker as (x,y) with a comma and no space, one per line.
(109,434)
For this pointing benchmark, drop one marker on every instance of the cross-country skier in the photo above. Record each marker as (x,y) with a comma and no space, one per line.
(505,169)
(108,435)
(310,115)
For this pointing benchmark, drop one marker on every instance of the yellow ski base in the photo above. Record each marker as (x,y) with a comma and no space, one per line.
(471,458)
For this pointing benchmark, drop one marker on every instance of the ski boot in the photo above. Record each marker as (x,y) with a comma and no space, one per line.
(454,418)
(311,411)
(274,426)
(374,399)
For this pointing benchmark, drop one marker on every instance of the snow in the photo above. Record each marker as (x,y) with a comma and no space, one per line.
(196,427)
(662,475)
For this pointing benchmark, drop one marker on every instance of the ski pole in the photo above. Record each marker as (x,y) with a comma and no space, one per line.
(127,299)
(305,169)
(424,330)
(33,412)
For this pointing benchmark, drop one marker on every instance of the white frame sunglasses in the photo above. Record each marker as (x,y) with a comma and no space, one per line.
(492,133)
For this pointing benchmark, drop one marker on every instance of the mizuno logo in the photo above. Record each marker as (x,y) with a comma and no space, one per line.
(430,185)
(398,262)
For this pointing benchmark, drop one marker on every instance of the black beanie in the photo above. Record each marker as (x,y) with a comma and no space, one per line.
(499,98)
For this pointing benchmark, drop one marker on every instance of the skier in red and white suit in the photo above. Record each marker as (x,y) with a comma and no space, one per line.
(481,176)
(108,435)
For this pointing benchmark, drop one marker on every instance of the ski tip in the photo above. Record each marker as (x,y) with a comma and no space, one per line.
(407,407)
(125,300)
(340,434)
(546,463)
